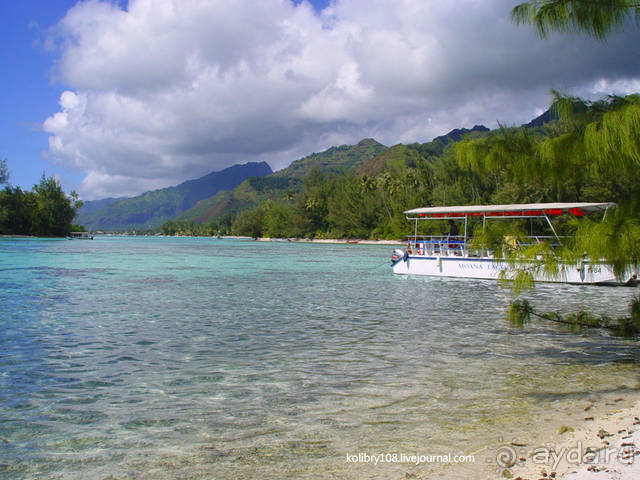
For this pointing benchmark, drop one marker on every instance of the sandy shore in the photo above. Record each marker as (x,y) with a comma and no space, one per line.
(333,240)
(604,445)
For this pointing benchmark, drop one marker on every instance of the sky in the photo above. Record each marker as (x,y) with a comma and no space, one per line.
(117,98)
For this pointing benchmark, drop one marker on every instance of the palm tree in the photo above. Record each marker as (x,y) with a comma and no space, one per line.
(288,195)
(367,184)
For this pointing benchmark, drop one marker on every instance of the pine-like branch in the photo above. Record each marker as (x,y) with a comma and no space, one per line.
(596,18)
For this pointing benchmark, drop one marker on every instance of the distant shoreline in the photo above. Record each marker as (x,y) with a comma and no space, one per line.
(268,239)
(332,241)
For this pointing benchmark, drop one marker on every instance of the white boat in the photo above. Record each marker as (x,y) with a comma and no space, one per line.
(79,236)
(454,256)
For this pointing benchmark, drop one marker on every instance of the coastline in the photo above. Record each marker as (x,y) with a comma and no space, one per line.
(606,447)
(599,441)
(332,241)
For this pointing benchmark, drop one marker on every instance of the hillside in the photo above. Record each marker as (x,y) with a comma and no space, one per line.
(456,134)
(398,158)
(334,160)
(152,209)
(395,159)
(287,181)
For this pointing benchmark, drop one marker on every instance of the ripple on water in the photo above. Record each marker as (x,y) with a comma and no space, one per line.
(192,358)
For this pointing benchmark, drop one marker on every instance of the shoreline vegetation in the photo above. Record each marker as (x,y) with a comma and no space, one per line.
(44,211)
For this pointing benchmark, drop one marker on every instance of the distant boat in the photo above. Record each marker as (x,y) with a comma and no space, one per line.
(352,241)
(79,236)
(453,256)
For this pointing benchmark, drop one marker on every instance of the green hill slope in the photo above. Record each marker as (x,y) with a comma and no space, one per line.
(276,186)
(152,209)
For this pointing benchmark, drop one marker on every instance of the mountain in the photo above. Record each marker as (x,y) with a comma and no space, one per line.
(334,160)
(456,134)
(395,159)
(252,191)
(90,206)
(398,158)
(151,209)
(548,116)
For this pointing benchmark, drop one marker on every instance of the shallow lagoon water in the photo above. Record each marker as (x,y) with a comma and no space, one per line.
(172,358)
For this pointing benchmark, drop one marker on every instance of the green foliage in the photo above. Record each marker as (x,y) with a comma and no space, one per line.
(190,228)
(45,211)
(151,209)
(521,311)
(335,160)
(613,140)
(54,210)
(249,222)
(17,211)
(509,165)
(590,153)
(615,239)
(596,18)
(287,184)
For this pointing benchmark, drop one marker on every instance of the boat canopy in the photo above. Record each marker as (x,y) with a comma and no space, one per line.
(529,210)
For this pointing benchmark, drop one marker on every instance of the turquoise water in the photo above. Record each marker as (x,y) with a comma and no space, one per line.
(167,358)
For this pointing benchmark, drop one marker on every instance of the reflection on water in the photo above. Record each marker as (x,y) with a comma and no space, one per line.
(204,358)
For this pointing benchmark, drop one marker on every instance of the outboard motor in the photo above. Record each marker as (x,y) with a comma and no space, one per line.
(398,255)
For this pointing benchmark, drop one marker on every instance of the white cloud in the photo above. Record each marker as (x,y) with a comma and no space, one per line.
(171,89)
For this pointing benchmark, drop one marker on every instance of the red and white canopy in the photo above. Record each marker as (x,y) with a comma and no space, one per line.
(529,210)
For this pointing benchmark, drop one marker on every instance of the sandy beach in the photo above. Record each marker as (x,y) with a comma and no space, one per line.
(605,444)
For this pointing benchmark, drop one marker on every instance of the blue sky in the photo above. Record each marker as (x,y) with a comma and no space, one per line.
(132,96)
(28,93)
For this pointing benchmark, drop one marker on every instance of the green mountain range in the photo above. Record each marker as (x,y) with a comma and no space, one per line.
(287,181)
(241,187)
(151,209)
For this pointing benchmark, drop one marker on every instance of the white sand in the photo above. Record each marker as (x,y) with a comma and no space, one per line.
(607,447)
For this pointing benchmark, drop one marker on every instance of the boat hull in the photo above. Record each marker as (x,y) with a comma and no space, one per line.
(489,269)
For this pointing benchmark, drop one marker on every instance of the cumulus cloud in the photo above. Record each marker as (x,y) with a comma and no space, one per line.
(165,90)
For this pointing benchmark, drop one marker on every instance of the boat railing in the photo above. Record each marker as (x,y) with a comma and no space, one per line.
(448,245)
(443,245)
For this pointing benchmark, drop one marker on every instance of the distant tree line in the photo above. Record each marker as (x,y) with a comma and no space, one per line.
(44,211)
(190,228)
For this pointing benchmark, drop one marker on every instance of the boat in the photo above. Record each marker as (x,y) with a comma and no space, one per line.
(454,255)
(79,236)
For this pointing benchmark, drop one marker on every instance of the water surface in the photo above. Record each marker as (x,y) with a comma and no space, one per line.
(167,358)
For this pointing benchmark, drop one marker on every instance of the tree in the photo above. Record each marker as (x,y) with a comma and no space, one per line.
(44,211)
(596,18)
(17,211)
(4,172)
(605,133)
(593,144)
(54,210)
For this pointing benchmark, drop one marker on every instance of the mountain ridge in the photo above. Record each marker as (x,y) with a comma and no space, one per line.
(332,161)
(193,201)
(152,208)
